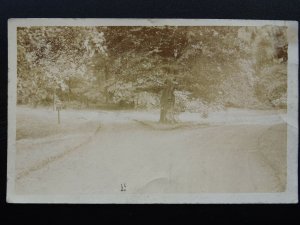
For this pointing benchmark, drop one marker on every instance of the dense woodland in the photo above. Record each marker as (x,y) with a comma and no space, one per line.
(126,67)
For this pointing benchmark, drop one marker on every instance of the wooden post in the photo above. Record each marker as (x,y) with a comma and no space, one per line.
(58,108)
(54,100)
(58,115)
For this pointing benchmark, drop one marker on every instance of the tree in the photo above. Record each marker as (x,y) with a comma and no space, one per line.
(52,59)
(265,50)
(167,102)
(115,65)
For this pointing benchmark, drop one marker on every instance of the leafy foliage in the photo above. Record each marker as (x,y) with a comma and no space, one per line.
(233,66)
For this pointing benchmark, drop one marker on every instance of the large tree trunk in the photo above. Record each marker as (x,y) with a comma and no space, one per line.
(167,102)
(163,114)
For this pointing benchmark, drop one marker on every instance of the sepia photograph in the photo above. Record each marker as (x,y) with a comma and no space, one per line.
(152,111)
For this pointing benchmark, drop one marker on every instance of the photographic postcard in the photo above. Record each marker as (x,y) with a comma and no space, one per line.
(152,111)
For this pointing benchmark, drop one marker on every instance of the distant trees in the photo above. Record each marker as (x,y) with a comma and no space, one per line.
(54,60)
(234,66)
(265,52)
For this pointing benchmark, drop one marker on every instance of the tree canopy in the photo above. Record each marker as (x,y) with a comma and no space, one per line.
(233,66)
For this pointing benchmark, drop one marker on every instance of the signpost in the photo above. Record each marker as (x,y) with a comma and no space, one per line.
(58,108)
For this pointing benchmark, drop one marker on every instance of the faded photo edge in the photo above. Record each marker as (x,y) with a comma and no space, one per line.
(289,196)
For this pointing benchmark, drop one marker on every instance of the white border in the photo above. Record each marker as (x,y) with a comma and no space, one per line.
(289,196)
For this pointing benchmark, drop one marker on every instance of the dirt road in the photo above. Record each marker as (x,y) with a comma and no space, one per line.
(224,156)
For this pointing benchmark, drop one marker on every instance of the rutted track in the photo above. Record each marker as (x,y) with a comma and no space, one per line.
(43,163)
(153,158)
